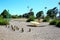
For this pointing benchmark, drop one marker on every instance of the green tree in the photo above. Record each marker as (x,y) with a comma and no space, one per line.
(52,13)
(31,13)
(1,16)
(59,8)
(39,14)
(25,15)
(5,14)
(31,9)
(31,18)
(15,16)
(20,16)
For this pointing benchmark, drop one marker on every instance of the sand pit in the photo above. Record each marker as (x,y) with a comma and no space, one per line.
(43,32)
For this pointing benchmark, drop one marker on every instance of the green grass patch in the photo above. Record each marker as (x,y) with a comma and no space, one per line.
(3,21)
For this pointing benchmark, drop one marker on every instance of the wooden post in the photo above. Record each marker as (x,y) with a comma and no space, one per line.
(29,30)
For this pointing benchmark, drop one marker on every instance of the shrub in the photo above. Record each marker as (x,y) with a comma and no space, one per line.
(31,18)
(53,22)
(46,19)
(3,22)
(58,24)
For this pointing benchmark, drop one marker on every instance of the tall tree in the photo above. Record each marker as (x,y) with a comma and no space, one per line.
(31,13)
(20,16)
(45,9)
(25,15)
(39,14)
(52,13)
(5,14)
(59,8)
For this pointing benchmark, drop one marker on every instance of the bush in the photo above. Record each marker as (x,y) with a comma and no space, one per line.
(53,22)
(3,22)
(58,24)
(46,19)
(31,18)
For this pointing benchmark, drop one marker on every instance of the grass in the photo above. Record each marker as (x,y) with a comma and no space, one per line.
(3,21)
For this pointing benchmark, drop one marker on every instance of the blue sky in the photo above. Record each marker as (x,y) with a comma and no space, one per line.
(19,7)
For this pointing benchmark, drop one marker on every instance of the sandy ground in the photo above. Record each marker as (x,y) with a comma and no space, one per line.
(43,32)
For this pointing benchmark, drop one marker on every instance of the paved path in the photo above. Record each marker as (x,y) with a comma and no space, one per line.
(43,32)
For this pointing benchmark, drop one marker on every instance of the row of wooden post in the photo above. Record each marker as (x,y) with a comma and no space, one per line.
(16,28)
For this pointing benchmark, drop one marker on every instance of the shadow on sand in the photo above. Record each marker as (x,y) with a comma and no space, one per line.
(37,26)
(57,27)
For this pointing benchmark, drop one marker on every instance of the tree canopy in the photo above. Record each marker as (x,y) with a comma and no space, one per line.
(52,13)
(39,14)
(5,14)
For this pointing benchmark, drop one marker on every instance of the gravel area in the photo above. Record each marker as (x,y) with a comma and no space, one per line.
(44,31)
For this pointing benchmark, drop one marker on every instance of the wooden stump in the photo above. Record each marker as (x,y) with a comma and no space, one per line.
(29,30)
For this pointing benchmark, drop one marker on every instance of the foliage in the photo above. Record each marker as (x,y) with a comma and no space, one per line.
(59,7)
(3,21)
(52,12)
(5,14)
(31,9)
(25,15)
(31,13)
(31,18)
(20,16)
(1,16)
(58,24)
(46,19)
(53,22)
(15,16)
(39,14)
(59,3)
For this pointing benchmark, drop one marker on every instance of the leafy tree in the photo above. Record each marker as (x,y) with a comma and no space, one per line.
(46,19)
(39,14)
(25,15)
(42,16)
(20,16)
(59,7)
(31,18)
(31,9)
(5,14)
(59,3)
(52,12)
(1,16)
(31,13)
(15,16)
(55,11)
